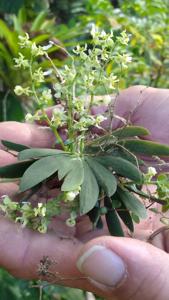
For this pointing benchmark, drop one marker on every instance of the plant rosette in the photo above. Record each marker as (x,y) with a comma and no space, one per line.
(97,170)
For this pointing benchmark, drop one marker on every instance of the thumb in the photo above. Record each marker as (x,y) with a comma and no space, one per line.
(124,268)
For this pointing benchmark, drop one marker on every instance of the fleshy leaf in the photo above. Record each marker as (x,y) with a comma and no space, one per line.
(104,177)
(14,146)
(15,170)
(37,153)
(121,167)
(132,203)
(89,190)
(146,147)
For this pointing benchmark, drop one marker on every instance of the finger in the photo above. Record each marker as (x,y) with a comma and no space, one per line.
(160,238)
(9,189)
(6,158)
(27,134)
(125,268)
(147,107)
(22,250)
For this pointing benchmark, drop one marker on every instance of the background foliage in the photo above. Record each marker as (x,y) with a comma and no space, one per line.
(67,22)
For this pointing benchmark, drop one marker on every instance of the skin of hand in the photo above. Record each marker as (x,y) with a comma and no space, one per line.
(112,267)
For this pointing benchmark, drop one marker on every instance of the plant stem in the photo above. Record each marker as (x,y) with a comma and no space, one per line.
(57,135)
(32,81)
(144,195)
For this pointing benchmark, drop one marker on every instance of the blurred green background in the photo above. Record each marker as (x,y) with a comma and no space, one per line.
(68,22)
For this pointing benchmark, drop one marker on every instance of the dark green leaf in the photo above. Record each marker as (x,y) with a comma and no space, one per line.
(120,151)
(94,216)
(126,217)
(112,219)
(133,188)
(40,170)
(147,147)
(15,170)
(89,190)
(121,167)
(92,149)
(37,153)
(113,223)
(132,203)
(130,131)
(14,146)
(104,177)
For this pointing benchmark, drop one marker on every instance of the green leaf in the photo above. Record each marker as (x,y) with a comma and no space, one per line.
(89,190)
(120,151)
(113,223)
(40,170)
(121,167)
(14,146)
(112,219)
(126,217)
(146,147)
(75,176)
(94,216)
(15,170)
(37,153)
(132,203)
(135,218)
(104,177)
(38,21)
(47,166)
(130,131)
(121,133)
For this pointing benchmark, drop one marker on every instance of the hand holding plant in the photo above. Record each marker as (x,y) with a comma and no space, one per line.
(96,175)
(22,249)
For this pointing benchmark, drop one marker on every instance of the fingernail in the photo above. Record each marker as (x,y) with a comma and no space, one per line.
(102,265)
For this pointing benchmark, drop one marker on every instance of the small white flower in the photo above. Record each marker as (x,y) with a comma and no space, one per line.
(152,171)
(21,62)
(24,40)
(29,117)
(37,50)
(19,90)
(70,196)
(70,222)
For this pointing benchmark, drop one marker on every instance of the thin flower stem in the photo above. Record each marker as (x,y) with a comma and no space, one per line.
(57,135)
(58,74)
(32,81)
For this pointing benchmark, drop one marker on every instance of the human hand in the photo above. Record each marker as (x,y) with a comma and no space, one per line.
(122,268)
